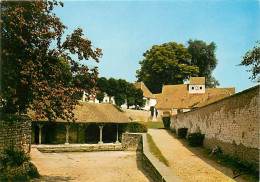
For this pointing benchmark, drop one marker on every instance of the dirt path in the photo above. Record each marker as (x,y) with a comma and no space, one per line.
(114,166)
(184,163)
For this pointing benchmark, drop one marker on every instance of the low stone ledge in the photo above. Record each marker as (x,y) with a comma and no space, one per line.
(79,148)
(156,169)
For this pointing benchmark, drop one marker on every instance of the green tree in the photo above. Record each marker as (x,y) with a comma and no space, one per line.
(139,98)
(120,99)
(166,64)
(100,96)
(203,56)
(34,74)
(130,95)
(252,59)
(112,88)
(102,84)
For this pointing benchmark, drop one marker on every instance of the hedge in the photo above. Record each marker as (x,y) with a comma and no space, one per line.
(136,127)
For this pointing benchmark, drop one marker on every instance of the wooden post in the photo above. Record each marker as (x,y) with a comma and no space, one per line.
(100,134)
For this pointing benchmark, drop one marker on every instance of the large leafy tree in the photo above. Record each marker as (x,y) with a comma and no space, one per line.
(166,64)
(252,59)
(203,56)
(34,74)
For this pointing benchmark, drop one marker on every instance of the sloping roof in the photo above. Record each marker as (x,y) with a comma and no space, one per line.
(145,90)
(95,113)
(197,80)
(178,97)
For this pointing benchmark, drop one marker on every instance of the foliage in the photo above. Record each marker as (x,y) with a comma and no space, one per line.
(155,125)
(139,101)
(241,167)
(112,87)
(165,64)
(203,56)
(252,59)
(166,122)
(196,139)
(155,150)
(12,164)
(182,132)
(13,117)
(36,75)
(102,84)
(136,127)
(100,96)
(33,171)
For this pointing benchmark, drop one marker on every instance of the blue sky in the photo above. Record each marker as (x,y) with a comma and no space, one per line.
(124,30)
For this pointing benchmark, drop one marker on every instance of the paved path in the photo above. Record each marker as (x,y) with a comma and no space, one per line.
(183,162)
(108,166)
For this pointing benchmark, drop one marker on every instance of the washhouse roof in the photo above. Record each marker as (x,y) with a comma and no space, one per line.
(94,113)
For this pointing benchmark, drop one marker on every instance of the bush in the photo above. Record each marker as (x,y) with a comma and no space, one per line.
(33,171)
(136,127)
(166,122)
(12,162)
(182,132)
(196,139)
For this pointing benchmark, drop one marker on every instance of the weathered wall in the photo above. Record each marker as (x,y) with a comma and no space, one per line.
(132,141)
(231,123)
(18,135)
(138,115)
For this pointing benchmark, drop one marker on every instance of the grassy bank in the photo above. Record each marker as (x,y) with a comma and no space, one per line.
(155,150)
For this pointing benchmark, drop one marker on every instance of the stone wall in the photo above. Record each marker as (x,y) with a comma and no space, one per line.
(231,123)
(138,115)
(16,134)
(132,141)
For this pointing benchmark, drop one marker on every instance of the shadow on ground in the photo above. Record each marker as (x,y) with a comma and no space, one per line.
(51,178)
(139,159)
(204,154)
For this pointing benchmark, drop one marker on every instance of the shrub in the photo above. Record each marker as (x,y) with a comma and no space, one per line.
(182,132)
(166,122)
(196,139)
(136,127)
(33,171)
(12,168)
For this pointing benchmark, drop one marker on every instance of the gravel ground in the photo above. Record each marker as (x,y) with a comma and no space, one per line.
(108,166)
(188,166)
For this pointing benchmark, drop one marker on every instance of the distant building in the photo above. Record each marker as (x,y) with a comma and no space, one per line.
(184,97)
(150,99)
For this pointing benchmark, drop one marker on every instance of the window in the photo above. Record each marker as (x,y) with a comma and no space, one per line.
(200,88)
(192,88)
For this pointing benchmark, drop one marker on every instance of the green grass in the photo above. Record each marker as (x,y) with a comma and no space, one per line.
(155,125)
(155,150)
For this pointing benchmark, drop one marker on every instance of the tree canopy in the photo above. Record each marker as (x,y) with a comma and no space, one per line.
(166,64)
(35,75)
(203,56)
(122,91)
(252,59)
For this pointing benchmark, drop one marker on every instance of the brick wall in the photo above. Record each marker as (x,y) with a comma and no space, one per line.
(231,123)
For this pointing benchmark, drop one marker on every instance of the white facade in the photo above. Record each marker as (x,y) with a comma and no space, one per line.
(195,89)
(149,102)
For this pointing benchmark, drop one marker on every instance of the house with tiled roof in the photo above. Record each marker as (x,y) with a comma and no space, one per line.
(150,99)
(184,97)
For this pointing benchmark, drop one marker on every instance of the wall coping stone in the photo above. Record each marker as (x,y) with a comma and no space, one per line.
(165,172)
